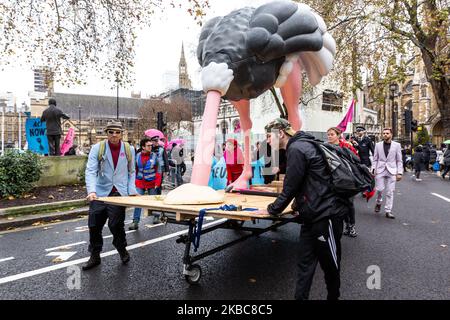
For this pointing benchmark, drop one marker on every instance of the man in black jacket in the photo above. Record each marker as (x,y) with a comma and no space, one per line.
(320,211)
(364,145)
(52,117)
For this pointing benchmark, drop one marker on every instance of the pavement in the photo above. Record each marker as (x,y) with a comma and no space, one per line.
(45,213)
(410,254)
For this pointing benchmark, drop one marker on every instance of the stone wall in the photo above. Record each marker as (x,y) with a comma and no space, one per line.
(62,170)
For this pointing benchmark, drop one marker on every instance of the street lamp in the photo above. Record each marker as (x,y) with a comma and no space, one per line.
(117,101)
(79,124)
(224,128)
(24,108)
(393,88)
(2,106)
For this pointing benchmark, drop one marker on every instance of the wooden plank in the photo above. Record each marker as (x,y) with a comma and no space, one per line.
(185,211)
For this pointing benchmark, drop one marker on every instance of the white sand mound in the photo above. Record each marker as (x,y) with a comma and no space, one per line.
(194,194)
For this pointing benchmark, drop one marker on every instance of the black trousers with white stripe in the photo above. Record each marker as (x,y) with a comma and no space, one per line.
(320,243)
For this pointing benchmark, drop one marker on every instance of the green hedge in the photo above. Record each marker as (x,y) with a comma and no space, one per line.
(19,171)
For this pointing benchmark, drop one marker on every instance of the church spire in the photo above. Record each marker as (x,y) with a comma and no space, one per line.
(183,77)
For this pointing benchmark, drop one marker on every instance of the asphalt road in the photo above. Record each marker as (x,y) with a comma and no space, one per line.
(412,254)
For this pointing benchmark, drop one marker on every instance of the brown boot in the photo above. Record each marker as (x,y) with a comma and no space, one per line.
(93,261)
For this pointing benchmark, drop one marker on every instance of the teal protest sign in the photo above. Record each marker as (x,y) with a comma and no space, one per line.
(36,135)
(218,176)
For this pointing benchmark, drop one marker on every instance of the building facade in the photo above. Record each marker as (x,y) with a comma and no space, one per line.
(414,94)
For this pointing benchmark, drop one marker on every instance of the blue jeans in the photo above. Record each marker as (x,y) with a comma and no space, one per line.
(137,211)
(176,177)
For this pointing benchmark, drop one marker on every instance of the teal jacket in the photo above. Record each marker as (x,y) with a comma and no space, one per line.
(101,180)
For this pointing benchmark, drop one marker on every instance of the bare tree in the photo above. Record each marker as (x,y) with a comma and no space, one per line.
(74,36)
(177,115)
(371,35)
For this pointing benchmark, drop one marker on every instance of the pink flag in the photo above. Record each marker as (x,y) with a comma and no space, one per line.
(68,141)
(237,128)
(348,117)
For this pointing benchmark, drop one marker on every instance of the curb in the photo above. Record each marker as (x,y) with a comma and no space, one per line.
(42,206)
(27,220)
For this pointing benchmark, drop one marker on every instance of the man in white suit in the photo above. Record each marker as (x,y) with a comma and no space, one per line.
(388,168)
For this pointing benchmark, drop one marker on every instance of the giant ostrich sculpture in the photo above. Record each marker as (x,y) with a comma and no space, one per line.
(247,52)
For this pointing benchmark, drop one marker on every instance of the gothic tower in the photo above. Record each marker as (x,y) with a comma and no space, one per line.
(183,77)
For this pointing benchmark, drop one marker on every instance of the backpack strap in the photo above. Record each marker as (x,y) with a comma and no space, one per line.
(129,157)
(322,153)
(101,150)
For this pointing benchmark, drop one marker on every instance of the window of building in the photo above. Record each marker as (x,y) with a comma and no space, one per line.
(371,94)
(423,91)
(408,87)
(331,101)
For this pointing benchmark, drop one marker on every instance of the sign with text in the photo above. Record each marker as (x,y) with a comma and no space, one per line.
(218,176)
(36,135)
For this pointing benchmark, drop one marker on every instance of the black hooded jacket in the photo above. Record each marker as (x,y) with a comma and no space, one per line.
(314,200)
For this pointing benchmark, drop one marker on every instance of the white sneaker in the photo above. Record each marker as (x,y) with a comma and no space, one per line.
(418,179)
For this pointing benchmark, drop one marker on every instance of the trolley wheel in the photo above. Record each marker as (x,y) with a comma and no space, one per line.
(196,274)
(236,223)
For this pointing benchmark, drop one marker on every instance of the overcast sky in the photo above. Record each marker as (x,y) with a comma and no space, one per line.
(157,52)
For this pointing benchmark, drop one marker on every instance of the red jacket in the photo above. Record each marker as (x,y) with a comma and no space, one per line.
(234,162)
(142,184)
(345,144)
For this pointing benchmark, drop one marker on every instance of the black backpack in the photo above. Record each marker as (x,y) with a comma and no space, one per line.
(348,175)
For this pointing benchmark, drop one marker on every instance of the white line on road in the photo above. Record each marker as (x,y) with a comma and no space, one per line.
(66,246)
(439,196)
(106,254)
(6,259)
(155,225)
(62,255)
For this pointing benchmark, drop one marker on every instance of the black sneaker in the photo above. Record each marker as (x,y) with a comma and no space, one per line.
(346,230)
(93,261)
(124,256)
(352,231)
(390,215)
(377,208)
(134,225)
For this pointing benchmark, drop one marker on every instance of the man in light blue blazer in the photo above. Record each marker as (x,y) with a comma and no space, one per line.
(109,174)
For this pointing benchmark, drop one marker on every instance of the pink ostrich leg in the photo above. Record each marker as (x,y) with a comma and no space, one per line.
(205,145)
(291,92)
(243,108)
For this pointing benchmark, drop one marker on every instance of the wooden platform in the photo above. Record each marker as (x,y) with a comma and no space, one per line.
(184,212)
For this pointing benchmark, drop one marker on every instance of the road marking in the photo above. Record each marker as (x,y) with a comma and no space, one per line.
(81,229)
(439,196)
(106,254)
(154,225)
(67,246)
(126,232)
(61,255)
(6,259)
